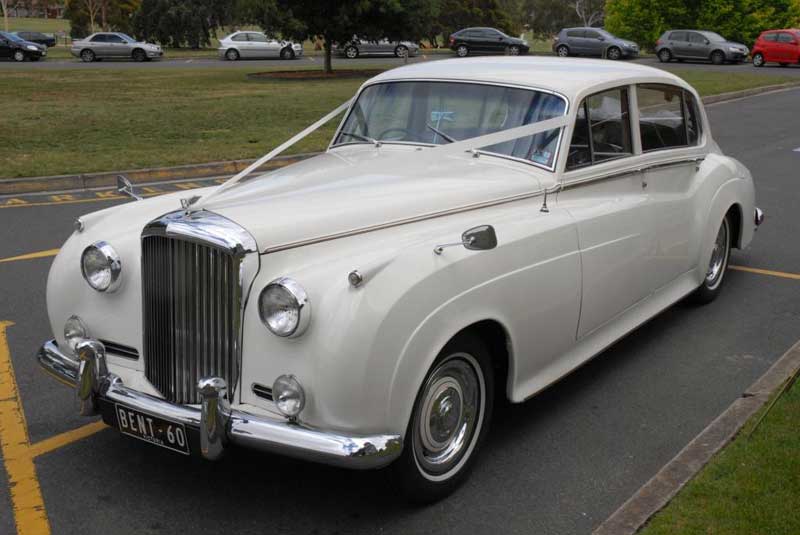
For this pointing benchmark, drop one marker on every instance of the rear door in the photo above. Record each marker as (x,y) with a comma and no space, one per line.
(679,44)
(575,40)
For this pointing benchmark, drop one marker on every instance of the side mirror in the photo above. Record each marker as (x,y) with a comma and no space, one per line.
(480,238)
(708,42)
(601,38)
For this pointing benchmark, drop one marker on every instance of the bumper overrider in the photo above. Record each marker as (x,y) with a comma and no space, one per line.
(216,423)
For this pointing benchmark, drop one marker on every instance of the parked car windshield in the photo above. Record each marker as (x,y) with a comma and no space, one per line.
(435,113)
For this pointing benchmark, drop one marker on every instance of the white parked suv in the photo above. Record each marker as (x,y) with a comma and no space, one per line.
(476,228)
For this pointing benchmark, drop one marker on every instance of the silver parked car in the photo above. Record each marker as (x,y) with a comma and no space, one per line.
(356,47)
(693,44)
(593,42)
(251,45)
(103,45)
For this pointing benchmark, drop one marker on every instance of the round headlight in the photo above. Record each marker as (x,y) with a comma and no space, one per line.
(75,331)
(284,308)
(101,267)
(288,395)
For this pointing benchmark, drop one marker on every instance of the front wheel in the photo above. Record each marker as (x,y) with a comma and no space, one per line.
(401,51)
(139,55)
(614,53)
(717,265)
(717,57)
(287,53)
(758,60)
(19,56)
(449,423)
(513,50)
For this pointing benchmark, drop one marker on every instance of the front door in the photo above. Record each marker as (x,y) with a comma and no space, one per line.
(593,43)
(5,48)
(698,47)
(605,196)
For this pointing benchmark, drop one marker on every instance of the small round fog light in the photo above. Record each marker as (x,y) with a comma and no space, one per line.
(75,331)
(288,395)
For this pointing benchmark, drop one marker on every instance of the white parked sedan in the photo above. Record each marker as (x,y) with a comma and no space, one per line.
(256,45)
(476,228)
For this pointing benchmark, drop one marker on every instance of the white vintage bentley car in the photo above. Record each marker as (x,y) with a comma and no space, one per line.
(476,227)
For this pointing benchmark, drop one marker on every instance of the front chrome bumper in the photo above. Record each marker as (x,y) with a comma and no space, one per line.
(217,423)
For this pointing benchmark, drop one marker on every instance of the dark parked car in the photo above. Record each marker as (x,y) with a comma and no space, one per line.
(486,41)
(593,42)
(695,44)
(38,38)
(19,49)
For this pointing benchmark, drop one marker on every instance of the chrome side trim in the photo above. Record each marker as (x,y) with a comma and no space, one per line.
(404,221)
(631,170)
(225,425)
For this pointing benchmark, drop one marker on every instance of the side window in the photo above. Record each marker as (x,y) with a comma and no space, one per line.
(602,129)
(695,37)
(240,37)
(772,37)
(114,39)
(785,38)
(668,117)
(257,37)
(575,33)
(99,39)
(677,36)
(591,34)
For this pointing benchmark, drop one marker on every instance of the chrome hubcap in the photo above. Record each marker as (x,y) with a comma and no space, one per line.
(562,52)
(514,51)
(719,257)
(449,416)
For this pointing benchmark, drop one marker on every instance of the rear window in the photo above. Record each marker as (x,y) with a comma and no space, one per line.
(99,39)
(668,117)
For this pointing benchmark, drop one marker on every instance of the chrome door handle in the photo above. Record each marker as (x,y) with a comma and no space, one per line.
(644,184)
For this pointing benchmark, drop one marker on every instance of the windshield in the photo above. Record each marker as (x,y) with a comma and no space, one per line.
(711,36)
(12,37)
(435,113)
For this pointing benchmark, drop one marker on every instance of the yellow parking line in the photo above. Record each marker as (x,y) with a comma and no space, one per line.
(58,441)
(768,272)
(31,256)
(26,496)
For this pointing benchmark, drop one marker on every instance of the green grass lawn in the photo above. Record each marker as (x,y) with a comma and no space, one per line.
(17,24)
(103,120)
(752,487)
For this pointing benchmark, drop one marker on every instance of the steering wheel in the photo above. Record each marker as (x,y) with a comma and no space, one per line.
(404,133)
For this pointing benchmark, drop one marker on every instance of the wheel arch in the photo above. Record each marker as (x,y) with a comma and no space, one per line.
(735,213)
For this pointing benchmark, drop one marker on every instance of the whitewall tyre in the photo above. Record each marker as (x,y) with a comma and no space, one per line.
(717,265)
(449,423)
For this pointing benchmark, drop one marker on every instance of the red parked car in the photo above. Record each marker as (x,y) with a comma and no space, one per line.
(777,46)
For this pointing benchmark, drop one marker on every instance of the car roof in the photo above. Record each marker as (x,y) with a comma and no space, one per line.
(571,77)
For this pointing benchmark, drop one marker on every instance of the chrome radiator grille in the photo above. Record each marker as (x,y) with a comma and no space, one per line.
(192,315)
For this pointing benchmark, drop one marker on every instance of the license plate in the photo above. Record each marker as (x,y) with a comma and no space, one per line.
(152,429)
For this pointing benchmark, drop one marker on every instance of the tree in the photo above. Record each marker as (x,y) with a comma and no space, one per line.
(4,6)
(177,23)
(589,12)
(547,17)
(337,21)
(458,14)
(88,16)
(738,20)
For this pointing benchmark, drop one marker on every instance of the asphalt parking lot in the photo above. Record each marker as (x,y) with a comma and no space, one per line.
(559,463)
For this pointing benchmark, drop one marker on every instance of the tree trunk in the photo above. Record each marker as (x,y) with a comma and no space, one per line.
(4,5)
(328,65)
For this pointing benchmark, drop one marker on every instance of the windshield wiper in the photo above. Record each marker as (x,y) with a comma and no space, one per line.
(447,138)
(362,138)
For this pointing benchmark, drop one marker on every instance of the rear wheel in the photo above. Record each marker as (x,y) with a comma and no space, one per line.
(87,56)
(717,265)
(664,55)
(562,51)
(401,51)
(351,52)
(232,54)
(449,423)
(758,60)
(462,51)
(717,57)
(139,55)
